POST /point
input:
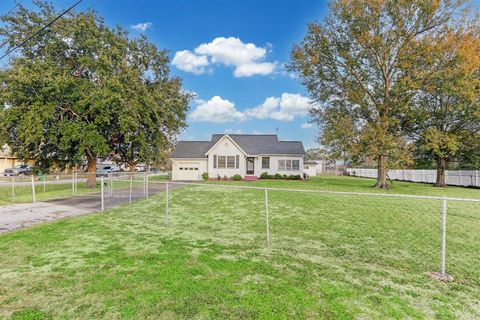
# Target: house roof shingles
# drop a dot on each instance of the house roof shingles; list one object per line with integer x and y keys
{"x": 252, "y": 144}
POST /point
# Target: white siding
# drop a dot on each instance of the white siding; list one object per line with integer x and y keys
{"x": 226, "y": 147}
{"x": 274, "y": 165}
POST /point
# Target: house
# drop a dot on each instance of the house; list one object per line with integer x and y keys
{"x": 248, "y": 155}
{"x": 9, "y": 160}
{"x": 313, "y": 167}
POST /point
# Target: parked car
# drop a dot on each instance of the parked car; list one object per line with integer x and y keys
{"x": 103, "y": 171}
{"x": 140, "y": 168}
{"x": 18, "y": 170}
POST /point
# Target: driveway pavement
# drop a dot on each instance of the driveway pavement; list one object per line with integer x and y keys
{"x": 16, "y": 216}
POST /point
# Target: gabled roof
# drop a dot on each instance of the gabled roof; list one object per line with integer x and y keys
{"x": 252, "y": 144}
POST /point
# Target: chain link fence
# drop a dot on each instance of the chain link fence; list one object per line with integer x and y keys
{"x": 33, "y": 188}
{"x": 421, "y": 234}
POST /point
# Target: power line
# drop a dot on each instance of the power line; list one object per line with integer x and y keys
{"x": 41, "y": 29}
{"x": 14, "y": 7}
{"x": 6, "y": 14}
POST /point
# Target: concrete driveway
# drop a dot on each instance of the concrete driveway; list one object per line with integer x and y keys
{"x": 16, "y": 216}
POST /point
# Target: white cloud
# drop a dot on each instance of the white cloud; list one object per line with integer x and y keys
{"x": 246, "y": 58}
{"x": 190, "y": 62}
{"x": 250, "y": 69}
{"x": 216, "y": 110}
{"x": 231, "y": 131}
{"x": 285, "y": 108}
{"x": 142, "y": 27}
{"x": 306, "y": 125}
{"x": 231, "y": 51}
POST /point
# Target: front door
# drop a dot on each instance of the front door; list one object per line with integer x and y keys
{"x": 250, "y": 166}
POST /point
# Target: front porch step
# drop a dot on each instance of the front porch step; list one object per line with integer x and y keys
{"x": 250, "y": 178}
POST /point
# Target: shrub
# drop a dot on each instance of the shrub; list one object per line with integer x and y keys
{"x": 277, "y": 176}
{"x": 225, "y": 177}
{"x": 237, "y": 177}
{"x": 265, "y": 175}
{"x": 285, "y": 176}
{"x": 294, "y": 177}
{"x": 205, "y": 176}
{"x": 219, "y": 177}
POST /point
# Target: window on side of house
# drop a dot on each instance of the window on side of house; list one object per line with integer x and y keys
{"x": 281, "y": 165}
{"x": 265, "y": 162}
{"x": 288, "y": 165}
{"x": 231, "y": 162}
{"x": 295, "y": 165}
{"x": 222, "y": 161}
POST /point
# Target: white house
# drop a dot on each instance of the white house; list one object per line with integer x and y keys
{"x": 248, "y": 155}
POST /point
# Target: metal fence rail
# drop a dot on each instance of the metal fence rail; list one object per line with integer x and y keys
{"x": 32, "y": 188}
{"x": 412, "y": 231}
{"x": 464, "y": 178}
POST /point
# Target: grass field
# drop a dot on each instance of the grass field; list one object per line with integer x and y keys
{"x": 331, "y": 257}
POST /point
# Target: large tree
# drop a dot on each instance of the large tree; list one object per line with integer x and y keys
{"x": 356, "y": 61}
{"x": 444, "y": 117}
{"x": 76, "y": 91}
{"x": 156, "y": 107}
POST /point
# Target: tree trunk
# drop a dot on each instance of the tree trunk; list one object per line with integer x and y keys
{"x": 441, "y": 168}
{"x": 382, "y": 173}
{"x": 131, "y": 167}
{"x": 91, "y": 171}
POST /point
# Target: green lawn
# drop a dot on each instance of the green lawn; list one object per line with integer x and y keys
{"x": 331, "y": 257}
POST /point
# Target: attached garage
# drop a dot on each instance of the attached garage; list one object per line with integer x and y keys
{"x": 188, "y": 171}
{"x": 189, "y": 161}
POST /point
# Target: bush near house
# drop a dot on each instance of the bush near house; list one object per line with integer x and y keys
{"x": 278, "y": 176}
{"x": 237, "y": 177}
{"x": 205, "y": 176}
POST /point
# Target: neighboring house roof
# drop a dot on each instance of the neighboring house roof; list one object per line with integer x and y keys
{"x": 252, "y": 144}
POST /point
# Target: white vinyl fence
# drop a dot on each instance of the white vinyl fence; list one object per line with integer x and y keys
{"x": 464, "y": 178}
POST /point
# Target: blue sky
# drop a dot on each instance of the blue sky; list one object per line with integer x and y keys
{"x": 238, "y": 74}
{"x": 231, "y": 54}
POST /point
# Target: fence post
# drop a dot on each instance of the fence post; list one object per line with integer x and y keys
{"x": 146, "y": 185}
{"x": 73, "y": 184}
{"x": 13, "y": 189}
{"x": 444, "y": 234}
{"x": 33, "y": 189}
{"x": 130, "y": 190}
{"x": 111, "y": 186}
{"x": 267, "y": 218}
{"x": 102, "y": 200}
{"x": 476, "y": 179}
{"x": 166, "y": 204}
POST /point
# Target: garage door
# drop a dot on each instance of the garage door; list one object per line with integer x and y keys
{"x": 188, "y": 171}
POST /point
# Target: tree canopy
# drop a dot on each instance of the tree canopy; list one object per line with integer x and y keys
{"x": 83, "y": 90}
{"x": 361, "y": 62}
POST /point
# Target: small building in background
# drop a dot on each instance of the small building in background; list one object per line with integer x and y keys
{"x": 313, "y": 167}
